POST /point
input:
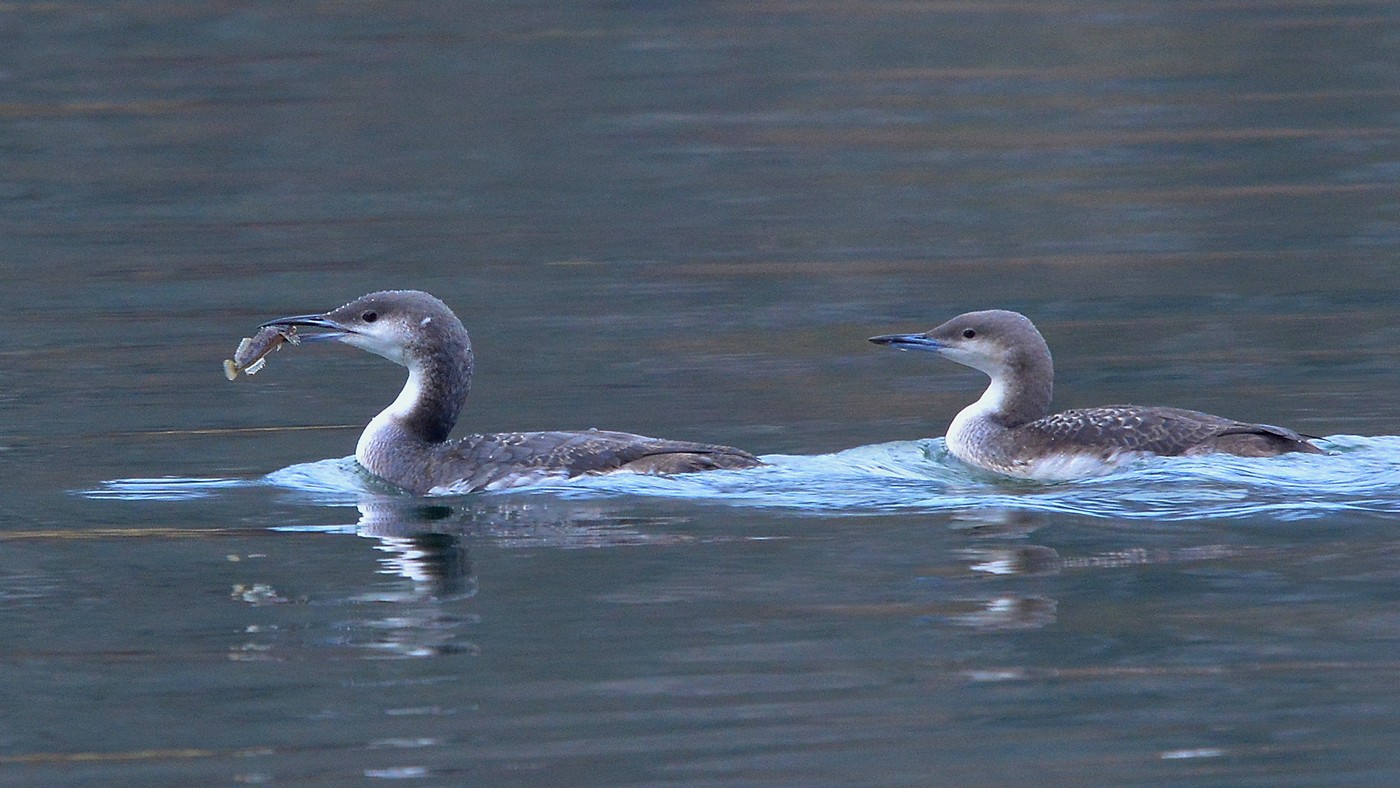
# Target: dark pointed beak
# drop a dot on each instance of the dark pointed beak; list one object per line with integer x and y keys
{"x": 909, "y": 342}
{"x": 332, "y": 329}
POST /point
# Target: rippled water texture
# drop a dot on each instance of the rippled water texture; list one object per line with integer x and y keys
{"x": 1357, "y": 474}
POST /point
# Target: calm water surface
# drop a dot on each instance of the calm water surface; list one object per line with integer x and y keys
{"x": 684, "y": 220}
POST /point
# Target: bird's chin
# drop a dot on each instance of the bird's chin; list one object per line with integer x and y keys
{"x": 371, "y": 344}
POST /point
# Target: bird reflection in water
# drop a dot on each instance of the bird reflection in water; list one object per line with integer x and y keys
{"x": 424, "y": 544}
{"x": 427, "y": 545}
{"x": 1004, "y": 554}
{"x": 426, "y": 610}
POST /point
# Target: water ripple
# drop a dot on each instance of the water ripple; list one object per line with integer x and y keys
{"x": 1360, "y": 474}
{"x": 162, "y": 488}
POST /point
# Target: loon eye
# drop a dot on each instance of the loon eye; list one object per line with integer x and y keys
{"x": 969, "y": 333}
{"x": 370, "y": 316}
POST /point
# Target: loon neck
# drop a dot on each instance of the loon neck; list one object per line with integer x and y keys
{"x": 425, "y": 411}
{"x": 982, "y": 429}
{"x": 1019, "y": 392}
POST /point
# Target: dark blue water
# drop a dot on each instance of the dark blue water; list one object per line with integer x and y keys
{"x": 684, "y": 220}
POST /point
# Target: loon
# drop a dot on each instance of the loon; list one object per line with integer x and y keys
{"x": 1011, "y": 430}
{"x": 407, "y": 444}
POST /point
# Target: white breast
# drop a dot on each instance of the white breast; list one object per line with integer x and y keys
{"x": 973, "y": 428}
{"x": 976, "y": 439}
{"x": 1069, "y": 466}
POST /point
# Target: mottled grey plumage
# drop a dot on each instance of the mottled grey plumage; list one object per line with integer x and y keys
{"x": 1010, "y": 430}
{"x": 408, "y": 444}
{"x": 513, "y": 459}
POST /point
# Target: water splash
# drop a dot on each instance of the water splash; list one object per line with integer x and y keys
{"x": 1360, "y": 474}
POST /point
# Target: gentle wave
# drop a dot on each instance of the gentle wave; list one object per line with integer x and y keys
{"x": 1360, "y": 474}
{"x": 163, "y": 488}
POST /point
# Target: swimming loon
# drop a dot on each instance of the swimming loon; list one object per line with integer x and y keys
{"x": 1011, "y": 430}
{"x": 407, "y": 443}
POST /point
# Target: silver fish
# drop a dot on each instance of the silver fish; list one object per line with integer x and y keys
{"x": 252, "y": 352}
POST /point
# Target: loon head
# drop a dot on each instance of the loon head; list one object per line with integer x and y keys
{"x": 411, "y": 328}
{"x": 995, "y": 341}
{"x": 408, "y": 327}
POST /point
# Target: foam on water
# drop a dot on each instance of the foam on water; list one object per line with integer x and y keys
{"x": 1360, "y": 474}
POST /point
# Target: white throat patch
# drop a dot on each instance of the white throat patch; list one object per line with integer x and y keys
{"x": 397, "y": 410}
